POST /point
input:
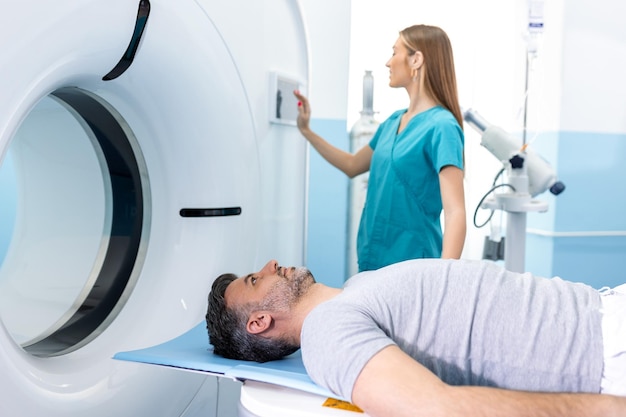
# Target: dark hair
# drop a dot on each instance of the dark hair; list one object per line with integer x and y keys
{"x": 227, "y": 329}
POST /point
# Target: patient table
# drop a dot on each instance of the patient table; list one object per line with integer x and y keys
{"x": 283, "y": 383}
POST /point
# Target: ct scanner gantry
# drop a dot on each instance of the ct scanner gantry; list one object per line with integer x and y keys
{"x": 143, "y": 151}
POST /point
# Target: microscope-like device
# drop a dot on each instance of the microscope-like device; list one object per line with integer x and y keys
{"x": 528, "y": 175}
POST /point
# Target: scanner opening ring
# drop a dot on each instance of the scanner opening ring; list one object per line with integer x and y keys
{"x": 115, "y": 274}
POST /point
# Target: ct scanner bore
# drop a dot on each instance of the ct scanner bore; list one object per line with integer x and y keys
{"x": 124, "y": 231}
{"x": 175, "y": 175}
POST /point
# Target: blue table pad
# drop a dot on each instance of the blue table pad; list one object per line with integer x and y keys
{"x": 191, "y": 351}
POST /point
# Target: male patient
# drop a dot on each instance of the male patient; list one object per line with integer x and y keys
{"x": 435, "y": 337}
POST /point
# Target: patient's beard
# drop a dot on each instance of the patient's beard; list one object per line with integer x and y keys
{"x": 286, "y": 292}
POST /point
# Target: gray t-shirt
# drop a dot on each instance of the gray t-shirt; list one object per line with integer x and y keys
{"x": 469, "y": 322}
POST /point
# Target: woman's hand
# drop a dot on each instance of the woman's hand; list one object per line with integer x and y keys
{"x": 349, "y": 164}
{"x": 304, "y": 111}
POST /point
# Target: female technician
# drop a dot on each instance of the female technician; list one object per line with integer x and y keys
{"x": 415, "y": 158}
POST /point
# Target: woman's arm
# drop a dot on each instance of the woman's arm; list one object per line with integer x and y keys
{"x": 394, "y": 384}
{"x": 350, "y": 164}
{"x": 453, "y": 199}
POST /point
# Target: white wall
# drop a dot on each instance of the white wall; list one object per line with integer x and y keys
{"x": 328, "y": 29}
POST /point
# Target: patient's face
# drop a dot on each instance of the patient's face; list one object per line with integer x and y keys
{"x": 273, "y": 288}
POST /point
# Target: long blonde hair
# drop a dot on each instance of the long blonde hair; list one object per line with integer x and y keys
{"x": 439, "y": 74}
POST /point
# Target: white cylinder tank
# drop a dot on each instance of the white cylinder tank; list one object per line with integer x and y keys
{"x": 360, "y": 135}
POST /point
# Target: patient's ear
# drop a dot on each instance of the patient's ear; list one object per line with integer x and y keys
{"x": 259, "y": 322}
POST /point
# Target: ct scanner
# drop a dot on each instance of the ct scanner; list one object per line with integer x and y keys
{"x": 147, "y": 146}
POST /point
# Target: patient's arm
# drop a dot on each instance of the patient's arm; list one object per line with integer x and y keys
{"x": 393, "y": 384}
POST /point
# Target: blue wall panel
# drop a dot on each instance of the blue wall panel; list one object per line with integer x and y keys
{"x": 328, "y": 208}
{"x": 592, "y": 210}
{"x": 597, "y": 261}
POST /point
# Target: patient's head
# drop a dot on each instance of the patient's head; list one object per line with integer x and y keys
{"x": 241, "y": 312}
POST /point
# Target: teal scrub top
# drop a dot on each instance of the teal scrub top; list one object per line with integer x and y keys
{"x": 401, "y": 216}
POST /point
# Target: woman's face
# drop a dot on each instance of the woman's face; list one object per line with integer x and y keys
{"x": 398, "y": 64}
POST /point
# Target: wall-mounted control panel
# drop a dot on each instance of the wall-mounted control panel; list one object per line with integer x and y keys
{"x": 283, "y": 104}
